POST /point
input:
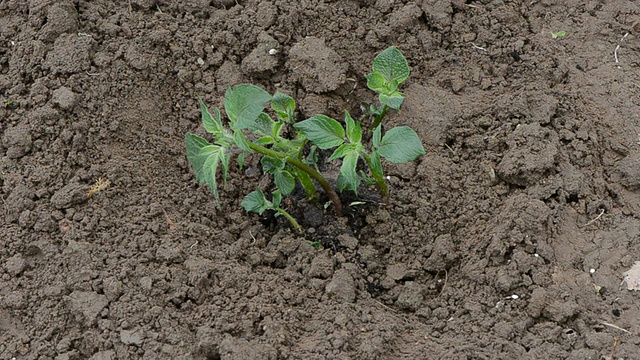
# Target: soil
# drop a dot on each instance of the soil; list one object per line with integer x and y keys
{"x": 508, "y": 240}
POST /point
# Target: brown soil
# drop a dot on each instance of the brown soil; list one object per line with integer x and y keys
{"x": 530, "y": 181}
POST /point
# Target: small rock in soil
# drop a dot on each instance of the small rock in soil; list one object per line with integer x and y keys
{"x": 88, "y": 303}
{"x": 560, "y": 312}
{"x": 71, "y": 194}
{"x": 14, "y": 300}
{"x": 438, "y": 12}
{"x": 442, "y": 255}
{"x": 15, "y": 265}
{"x": 537, "y": 302}
{"x": 321, "y": 266}
{"x": 348, "y": 241}
{"x": 17, "y": 139}
{"x": 411, "y": 297}
{"x": 208, "y": 343}
{"x": 629, "y": 168}
{"x": 405, "y": 17}
{"x": 70, "y": 54}
{"x": 260, "y": 62}
{"x": 132, "y": 337}
{"x": 65, "y": 98}
{"x": 342, "y": 287}
{"x": 19, "y": 200}
{"x": 113, "y": 288}
{"x": 533, "y": 151}
{"x": 169, "y": 254}
{"x": 313, "y": 217}
{"x": 317, "y": 67}
{"x": 62, "y": 17}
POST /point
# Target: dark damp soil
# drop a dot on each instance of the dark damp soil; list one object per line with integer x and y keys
{"x": 508, "y": 240}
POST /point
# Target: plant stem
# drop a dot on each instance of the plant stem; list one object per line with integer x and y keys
{"x": 333, "y": 196}
{"x": 379, "y": 179}
{"x": 379, "y": 118}
{"x": 290, "y": 218}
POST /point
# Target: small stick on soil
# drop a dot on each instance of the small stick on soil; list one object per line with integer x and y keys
{"x": 615, "y": 52}
{"x": 615, "y": 327}
{"x": 592, "y": 221}
{"x": 450, "y": 149}
{"x": 446, "y": 279}
{"x": 385, "y": 306}
{"x": 478, "y": 47}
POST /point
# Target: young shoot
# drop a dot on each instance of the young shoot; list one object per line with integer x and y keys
{"x": 398, "y": 145}
{"x": 390, "y": 69}
{"x": 258, "y": 203}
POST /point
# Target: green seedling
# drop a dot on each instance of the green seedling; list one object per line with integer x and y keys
{"x": 398, "y": 145}
{"x": 258, "y": 203}
{"x": 558, "y": 34}
{"x": 390, "y": 69}
{"x": 283, "y": 156}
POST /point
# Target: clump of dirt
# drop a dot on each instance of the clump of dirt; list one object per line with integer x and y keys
{"x": 509, "y": 239}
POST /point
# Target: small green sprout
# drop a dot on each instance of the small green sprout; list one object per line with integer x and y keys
{"x": 390, "y": 69}
{"x": 555, "y": 35}
{"x": 258, "y": 203}
{"x": 398, "y": 145}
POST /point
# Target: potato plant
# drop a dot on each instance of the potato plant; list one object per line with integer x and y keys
{"x": 283, "y": 156}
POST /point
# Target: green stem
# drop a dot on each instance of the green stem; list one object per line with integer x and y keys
{"x": 379, "y": 179}
{"x": 291, "y": 219}
{"x": 333, "y": 196}
{"x": 378, "y": 119}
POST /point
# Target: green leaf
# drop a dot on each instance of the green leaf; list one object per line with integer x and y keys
{"x": 340, "y": 152}
{"x": 240, "y": 159}
{"x": 276, "y": 129}
{"x": 322, "y": 131}
{"x": 306, "y": 182}
{"x": 354, "y": 130}
{"x": 348, "y": 171}
{"x": 312, "y": 158}
{"x": 270, "y": 165}
{"x": 393, "y": 101}
{"x": 244, "y": 103}
{"x": 377, "y": 133}
{"x": 401, "y": 145}
{"x": 284, "y": 106}
{"x": 265, "y": 140}
{"x": 277, "y": 198}
{"x": 212, "y": 124}
{"x": 375, "y": 165}
{"x": 256, "y": 202}
{"x": 204, "y": 157}
{"x": 263, "y": 124}
{"x": 224, "y": 159}
{"x": 376, "y": 82}
{"x": 284, "y": 181}
{"x": 392, "y": 65}
{"x": 241, "y": 141}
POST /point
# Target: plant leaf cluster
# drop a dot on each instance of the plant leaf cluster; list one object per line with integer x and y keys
{"x": 283, "y": 156}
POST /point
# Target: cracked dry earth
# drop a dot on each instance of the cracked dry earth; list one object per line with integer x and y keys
{"x": 508, "y": 240}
